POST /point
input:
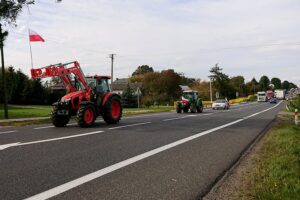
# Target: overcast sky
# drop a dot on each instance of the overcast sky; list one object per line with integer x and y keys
{"x": 246, "y": 37}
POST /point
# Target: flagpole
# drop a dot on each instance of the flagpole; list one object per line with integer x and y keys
{"x": 30, "y": 49}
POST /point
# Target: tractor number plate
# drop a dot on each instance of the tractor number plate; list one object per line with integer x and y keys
{"x": 63, "y": 112}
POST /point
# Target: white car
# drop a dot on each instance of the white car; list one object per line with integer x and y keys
{"x": 220, "y": 104}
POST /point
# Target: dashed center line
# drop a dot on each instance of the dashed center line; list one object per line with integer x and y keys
{"x": 187, "y": 116}
{"x": 4, "y": 146}
{"x": 130, "y": 125}
{"x": 38, "y": 128}
{"x": 8, "y": 132}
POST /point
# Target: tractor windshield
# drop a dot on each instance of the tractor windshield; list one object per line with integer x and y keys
{"x": 102, "y": 85}
{"x": 188, "y": 95}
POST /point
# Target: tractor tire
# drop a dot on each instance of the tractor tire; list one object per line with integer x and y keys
{"x": 112, "y": 110}
{"x": 199, "y": 109}
{"x": 178, "y": 108}
{"x": 185, "y": 109}
{"x": 59, "y": 120}
{"x": 86, "y": 115}
{"x": 193, "y": 108}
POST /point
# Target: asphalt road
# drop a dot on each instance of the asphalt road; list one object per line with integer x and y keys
{"x": 154, "y": 156}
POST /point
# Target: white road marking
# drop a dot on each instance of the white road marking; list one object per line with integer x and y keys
{"x": 38, "y": 128}
{"x": 89, "y": 177}
{"x": 130, "y": 125}
{"x": 187, "y": 116}
{"x": 149, "y": 115}
{"x": 8, "y": 145}
{"x": 48, "y": 140}
{"x": 8, "y": 132}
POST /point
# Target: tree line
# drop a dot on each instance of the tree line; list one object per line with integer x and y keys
{"x": 163, "y": 87}
{"x": 157, "y": 87}
{"x": 23, "y": 90}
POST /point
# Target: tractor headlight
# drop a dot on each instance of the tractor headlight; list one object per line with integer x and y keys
{"x": 66, "y": 101}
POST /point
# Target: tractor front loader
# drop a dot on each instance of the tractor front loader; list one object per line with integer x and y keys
{"x": 87, "y": 97}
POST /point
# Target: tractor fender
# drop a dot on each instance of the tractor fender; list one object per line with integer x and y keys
{"x": 199, "y": 102}
{"x": 107, "y": 96}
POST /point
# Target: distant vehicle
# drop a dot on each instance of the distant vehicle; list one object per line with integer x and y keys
{"x": 280, "y": 94}
{"x": 269, "y": 94}
{"x": 220, "y": 104}
{"x": 261, "y": 96}
{"x": 273, "y": 100}
{"x": 190, "y": 100}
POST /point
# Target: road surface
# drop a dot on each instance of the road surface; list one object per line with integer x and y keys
{"x": 153, "y": 156}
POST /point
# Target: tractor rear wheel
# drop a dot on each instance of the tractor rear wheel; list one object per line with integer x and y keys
{"x": 112, "y": 110}
{"x": 86, "y": 115}
{"x": 59, "y": 120}
{"x": 199, "y": 109}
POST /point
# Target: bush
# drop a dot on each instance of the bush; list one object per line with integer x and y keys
{"x": 294, "y": 103}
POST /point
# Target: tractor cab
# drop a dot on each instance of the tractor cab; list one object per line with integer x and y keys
{"x": 190, "y": 94}
{"x": 100, "y": 87}
{"x": 99, "y": 84}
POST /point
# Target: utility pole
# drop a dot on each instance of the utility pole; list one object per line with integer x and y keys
{"x": 210, "y": 90}
{"x": 3, "y": 74}
{"x": 112, "y": 56}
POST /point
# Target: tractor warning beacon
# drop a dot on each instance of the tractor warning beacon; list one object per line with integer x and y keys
{"x": 87, "y": 97}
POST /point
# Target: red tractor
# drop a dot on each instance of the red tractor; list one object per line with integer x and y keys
{"x": 87, "y": 98}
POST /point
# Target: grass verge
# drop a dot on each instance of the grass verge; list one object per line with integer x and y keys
{"x": 17, "y": 112}
{"x": 268, "y": 171}
{"x": 277, "y": 165}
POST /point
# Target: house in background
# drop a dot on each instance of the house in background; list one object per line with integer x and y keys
{"x": 120, "y": 85}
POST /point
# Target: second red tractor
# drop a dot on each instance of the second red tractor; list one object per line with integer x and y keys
{"x": 88, "y": 97}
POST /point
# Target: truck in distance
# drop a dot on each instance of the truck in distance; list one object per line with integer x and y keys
{"x": 261, "y": 96}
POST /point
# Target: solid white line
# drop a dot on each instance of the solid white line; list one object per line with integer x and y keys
{"x": 48, "y": 140}
{"x": 8, "y": 132}
{"x": 89, "y": 177}
{"x": 130, "y": 125}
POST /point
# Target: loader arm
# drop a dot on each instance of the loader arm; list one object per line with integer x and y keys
{"x": 62, "y": 71}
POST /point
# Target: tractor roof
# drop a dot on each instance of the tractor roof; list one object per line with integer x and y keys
{"x": 98, "y": 77}
{"x": 189, "y": 91}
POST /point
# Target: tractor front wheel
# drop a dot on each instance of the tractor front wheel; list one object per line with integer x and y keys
{"x": 193, "y": 108}
{"x": 86, "y": 115}
{"x": 178, "y": 108}
{"x": 59, "y": 120}
{"x": 112, "y": 110}
{"x": 185, "y": 109}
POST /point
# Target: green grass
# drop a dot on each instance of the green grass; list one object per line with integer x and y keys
{"x": 29, "y": 111}
{"x": 15, "y": 112}
{"x": 277, "y": 165}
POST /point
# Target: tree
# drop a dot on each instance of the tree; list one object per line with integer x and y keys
{"x": 10, "y": 9}
{"x": 276, "y": 82}
{"x": 221, "y": 82}
{"x": 264, "y": 83}
{"x": 285, "y": 85}
{"x": 203, "y": 89}
{"x": 143, "y": 69}
{"x": 129, "y": 100}
{"x": 238, "y": 84}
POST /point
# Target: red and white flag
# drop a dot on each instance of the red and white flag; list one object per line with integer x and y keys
{"x": 35, "y": 37}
